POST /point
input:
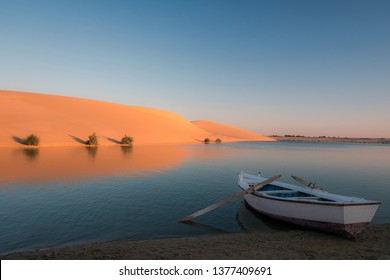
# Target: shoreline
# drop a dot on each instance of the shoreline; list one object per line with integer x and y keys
{"x": 385, "y": 141}
{"x": 102, "y": 145}
{"x": 324, "y": 139}
{"x": 297, "y": 244}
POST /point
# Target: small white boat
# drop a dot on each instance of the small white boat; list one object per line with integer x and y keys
{"x": 308, "y": 206}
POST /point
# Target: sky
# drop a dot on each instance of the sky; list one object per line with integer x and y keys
{"x": 274, "y": 67}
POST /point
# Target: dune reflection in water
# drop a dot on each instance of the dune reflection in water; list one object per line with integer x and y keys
{"x": 32, "y": 165}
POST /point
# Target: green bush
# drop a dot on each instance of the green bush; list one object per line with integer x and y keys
{"x": 207, "y": 141}
{"x": 218, "y": 140}
{"x": 92, "y": 140}
{"x": 31, "y": 140}
{"x": 126, "y": 140}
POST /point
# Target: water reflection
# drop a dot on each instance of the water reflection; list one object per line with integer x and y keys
{"x": 126, "y": 150}
{"x": 306, "y": 161}
{"x": 31, "y": 153}
{"x": 252, "y": 221}
{"x": 51, "y": 196}
{"x": 73, "y": 163}
{"x": 92, "y": 151}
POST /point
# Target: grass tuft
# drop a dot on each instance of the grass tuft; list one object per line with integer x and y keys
{"x": 31, "y": 140}
{"x": 92, "y": 140}
{"x": 127, "y": 140}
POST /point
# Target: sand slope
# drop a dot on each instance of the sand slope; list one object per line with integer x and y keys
{"x": 230, "y": 132}
{"x": 67, "y": 121}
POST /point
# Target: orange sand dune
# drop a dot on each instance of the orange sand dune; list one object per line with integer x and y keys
{"x": 67, "y": 121}
{"x": 232, "y": 133}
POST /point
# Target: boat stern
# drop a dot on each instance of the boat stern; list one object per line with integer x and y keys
{"x": 360, "y": 213}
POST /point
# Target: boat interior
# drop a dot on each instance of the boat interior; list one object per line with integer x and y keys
{"x": 277, "y": 191}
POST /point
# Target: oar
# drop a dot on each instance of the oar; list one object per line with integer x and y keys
{"x": 226, "y": 200}
{"x": 306, "y": 183}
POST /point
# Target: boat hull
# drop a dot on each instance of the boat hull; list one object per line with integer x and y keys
{"x": 345, "y": 219}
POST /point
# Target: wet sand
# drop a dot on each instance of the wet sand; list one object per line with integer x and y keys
{"x": 373, "y": 243}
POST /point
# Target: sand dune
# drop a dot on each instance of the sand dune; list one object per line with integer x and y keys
{"x": 230, "y": 132}
{"x": 67, "y": 121}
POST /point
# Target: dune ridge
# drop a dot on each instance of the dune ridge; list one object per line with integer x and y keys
{"x": 230, "y": 132}
{"x": 67, "y": 121}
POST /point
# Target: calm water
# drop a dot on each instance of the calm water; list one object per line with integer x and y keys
{"x": 60, "y": 196}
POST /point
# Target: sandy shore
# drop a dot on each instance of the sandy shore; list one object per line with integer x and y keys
{"x": 373, "y": 243}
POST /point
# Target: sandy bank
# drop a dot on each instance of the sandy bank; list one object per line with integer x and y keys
{"x": 295, "y": 244}
{"x": 68, "y": 121}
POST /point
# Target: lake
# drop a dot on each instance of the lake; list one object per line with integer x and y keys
{"x": 61, "y": 196}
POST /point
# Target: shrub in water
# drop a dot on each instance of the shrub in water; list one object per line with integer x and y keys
{"x": 206, "y": 141}
{"x": 31, "y": 140}
{"x": 92, "y": 140}
{"x": 126, "y": 140}
{"x": 218, "y": 140}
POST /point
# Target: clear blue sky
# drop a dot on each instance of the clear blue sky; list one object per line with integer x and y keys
{"x": 274, "y": 67}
